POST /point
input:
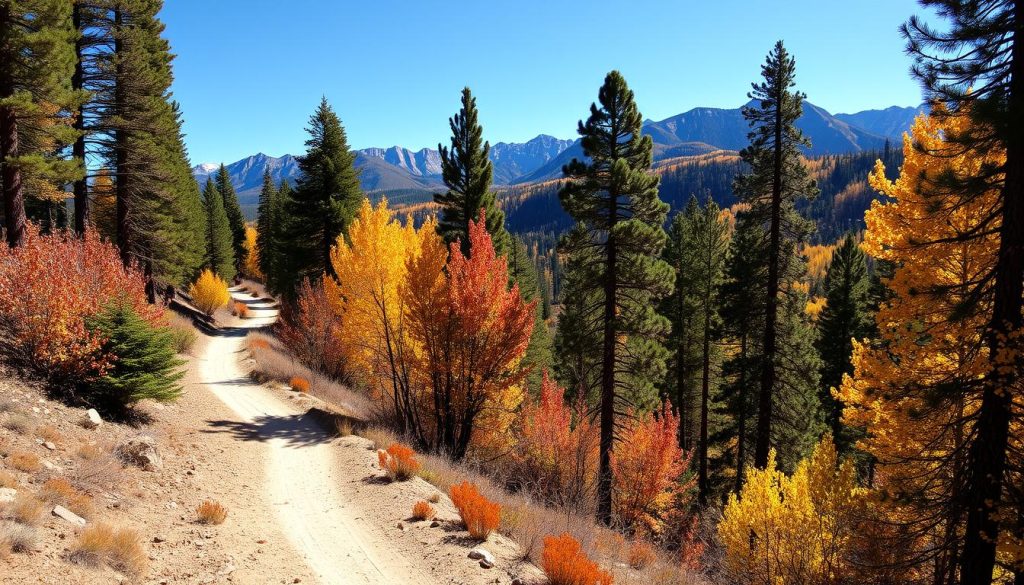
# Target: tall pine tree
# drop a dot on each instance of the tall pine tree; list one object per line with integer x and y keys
{"x": 266, "y": 221}
{"x": 219, "y": 250}
{"x": 467, "y": 172}
{"x": 234, "y": 211}
{"x": 613, "y": 197}
{"x": 777, "y": 179}
{"x": 36, "y": 65}
{"x": 844, "y": 318}
{"x": 325, "y": 200}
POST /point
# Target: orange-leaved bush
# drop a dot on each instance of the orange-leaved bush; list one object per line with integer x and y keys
{"x": 648, "y": 466}
{"x": 565, "y": 563}
{"x": 48, "y": 287}
{"x": 480, "y": 515}
{"x": 299, "y": 384}
{"x": 311, "y": 330}
{"x": 422, "y": 510}
{"x": 209, "y": 292}
{"x": 556, "y": 455}
{"x": 241, "y": 310}
{"x": 398, "y": 462}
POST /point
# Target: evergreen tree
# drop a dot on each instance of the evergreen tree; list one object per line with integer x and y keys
{"x": 777, "y": 179}
{"x": 146, "y": 367}
{"x": 36, "y": 64}
{"x": 467, "y": 172}
{"x": 523, "y": 272}
{"x": 286, "y": 265}
{"x": 614, "y": 199}
{"x": 325, "y": 200}
{"x": 266, "y": 222}
{"x": 234, "y": 211}
{"x": 844, "y": 318}
{"x": 974, "y": 66}
{"x": 219, "y": 251}
{"x": 577, "y": 342}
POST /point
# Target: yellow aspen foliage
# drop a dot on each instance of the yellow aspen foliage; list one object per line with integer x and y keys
{"x": 793, "y": 530}
{"x": 913, "y": 426}
{"x": 209, "y": 292}
{"x": 251, "y": 266}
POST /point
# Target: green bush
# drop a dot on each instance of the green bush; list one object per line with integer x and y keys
{"x": 184, "y": 337}
{"x": 145, "y": 364}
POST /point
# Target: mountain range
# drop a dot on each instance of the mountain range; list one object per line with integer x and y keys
{"x": 697, "y": 131}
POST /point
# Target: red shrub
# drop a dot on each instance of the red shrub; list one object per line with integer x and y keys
{"x": 480, "y": 515}
{"x": 423, "y": 511}
{"x": 398, "y": 461}
{"x": 49, "y": 285}
{"x": 641, "y": 554}
{"x": 565, "y": 563}
{"x": 310, "y": 329}
{"x": 299, "y": 384}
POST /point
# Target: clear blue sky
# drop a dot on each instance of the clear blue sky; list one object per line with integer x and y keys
{"x": 249, "y": 72}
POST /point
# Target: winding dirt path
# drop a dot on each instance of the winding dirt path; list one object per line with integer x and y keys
{"x": 302, "y": 473}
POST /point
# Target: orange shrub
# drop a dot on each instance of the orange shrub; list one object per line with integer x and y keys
{"x": 565, "y": 563}
{"x": 311, "y": 330}
{"x": 209, "y": 292}
{"x": 241, "y": 310}
{"x": 398, "y": 462}
{"x": 24, "y": 461}
{"x": 258, "y": 344}
{"x": 423, "y": 511}
{"x": 210, "y": 512}
{"x": 48, "y": 287}
{"x": 647, "y": 465}
{"x": 641, "y": 554}
{"x": 480, "y": 515}
{"x": 299, "y": 384}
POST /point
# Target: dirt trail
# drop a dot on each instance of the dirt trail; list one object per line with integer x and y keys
{"x": 302, "y": 473}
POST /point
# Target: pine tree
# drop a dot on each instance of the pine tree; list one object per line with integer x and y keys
{"x": 974, "y": 66}
{"x": 777, "y": 179}
{"x": 234, "y": 211}
{"x": 577, "y": 342}
{"x": 36, "y": 64}
{"x": 844, "y": 318}
{"x": 285, "y": 264}
{"x": 614, "y": 199}
{"x": 467, "y": 172}
{"x": 325, "y": 200}
{"x": 522, "y": 271}
{"x": 266, "y": 222}
{"x": 219, "y": 251}
{"x": 146, "y": 367}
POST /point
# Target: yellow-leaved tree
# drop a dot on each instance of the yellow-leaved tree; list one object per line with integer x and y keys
{"x": 251, "y": 266}
{"x": 795, "y": 530}
{"x": 209, "y": 292}
{"x": 915, "y": 388}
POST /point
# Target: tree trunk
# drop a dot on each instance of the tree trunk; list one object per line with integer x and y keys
{"x": 986, "y": 462}
{"x": 604, "y": 482}
{"x": 765, "y": 400}
{"x": 10, "y": 177}
{"x": 121, "y": 171}
{"x": 80, "y": 187}
{"x": 741, "y": 427}
{"x": 705, "y": 391}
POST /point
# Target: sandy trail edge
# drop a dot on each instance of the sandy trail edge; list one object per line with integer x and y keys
{"x": 301, "y": 475}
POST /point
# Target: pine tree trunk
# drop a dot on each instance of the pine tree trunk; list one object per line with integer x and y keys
{"x": 764, "y": 402}
{"x": 986, "y": 462}
{"x": 13, "y": 190}
{"x": 121, "y": 171}
{"x": 80, "y": 187}
{"x": 705, "y": 391}
{"x": 604, "y": 483}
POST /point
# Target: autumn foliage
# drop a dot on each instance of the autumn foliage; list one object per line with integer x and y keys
{"x": 565, "y": 563}
{"x": 209, "y": 292}
{"x": 480, "y": 515}
{"x": 648, "y": 467}
{"x": 251, "y": 265}
{"x": 312, "y": 331}
{"x": 299, "y": 384}
{"x": 47, "y": 289}
{"x": 398, "y": 462}
{"x": 422, "y": 510}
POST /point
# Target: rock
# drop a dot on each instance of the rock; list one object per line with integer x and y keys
{"x": 159, "y": 538}
{"x": 50, "y": 466}
{"x": 91, "y": 419}
{"x": 227, "y": 569}
{"x": 141, "y": 451}
{"x": 50, "y": 446}
{"x": 482, "y": 554}
{"x": 435, "y": 524}
{"x": 7, "y": 495}
{"x": 484, "y": 563}
{"x": 518, "y": 581}
{"x": 68, "y": 515}
{"x": 401, "y": 526}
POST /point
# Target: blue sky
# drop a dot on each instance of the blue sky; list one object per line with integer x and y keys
{"x": 249, "y": 72}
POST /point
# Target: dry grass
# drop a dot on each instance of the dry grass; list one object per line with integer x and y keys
{"x": 98, "y": 466}
{"x": 434, "y": 498}
{"x": 24, "y": 461}
{"x": 7, "y": 479}
{"x": 18, "y": 423}
{"x": 60, "y": 491}
{"x": 240, "y": 310}
{"x": 642, "y": 555}
{"x": 119, "y": 548}
{"x": 25, "y": 509}
{"x": 17, "y": 538}
{"x": 182, "y": 332}
{"x": 49, "y": 433}
{"x": 423, "y": 511}
{"x": 211, "y": 512}
{"x": 6, "y": 405}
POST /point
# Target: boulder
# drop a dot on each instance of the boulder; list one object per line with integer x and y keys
{"x": 91, "y": 419}
{"x": 68, "y": 515}
{"x": 142, "y": 452}
{"x": 7, "y": 495}
{"x": 483, "y": 555}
